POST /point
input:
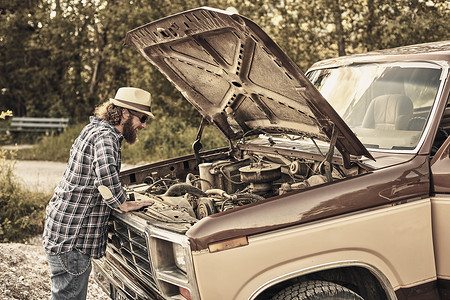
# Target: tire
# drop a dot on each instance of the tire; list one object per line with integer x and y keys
{"x": 316, "y": 290}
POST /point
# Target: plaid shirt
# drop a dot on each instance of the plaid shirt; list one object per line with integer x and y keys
{"x": 77, "y": 215}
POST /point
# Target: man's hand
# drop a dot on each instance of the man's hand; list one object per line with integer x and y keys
{"x": 134, "y": 205}
{"x": 127, "y": 205}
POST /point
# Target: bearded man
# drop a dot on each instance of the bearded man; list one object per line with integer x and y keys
{"x": 77, "y": 214}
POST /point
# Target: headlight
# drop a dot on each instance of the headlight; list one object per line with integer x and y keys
{"x": 179, "y": 256}
{"x": 172, "y": 264}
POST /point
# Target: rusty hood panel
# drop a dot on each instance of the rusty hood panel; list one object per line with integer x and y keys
{"x": 232, "y": 72}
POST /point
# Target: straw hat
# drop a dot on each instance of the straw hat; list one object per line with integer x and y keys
{"x": 135, "y": 99}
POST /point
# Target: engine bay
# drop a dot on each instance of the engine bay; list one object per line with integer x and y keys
{"x": 228, "y": 182}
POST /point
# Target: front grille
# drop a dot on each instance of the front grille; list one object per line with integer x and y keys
{"x": 130, "y": 244}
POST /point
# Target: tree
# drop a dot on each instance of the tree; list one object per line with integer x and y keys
{"x": 62, "y": 57}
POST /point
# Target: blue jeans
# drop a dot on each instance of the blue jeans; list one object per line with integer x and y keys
{"x": 69, "y": 274}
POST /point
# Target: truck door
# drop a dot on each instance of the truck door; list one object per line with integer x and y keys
{"x": 440, "y": 209}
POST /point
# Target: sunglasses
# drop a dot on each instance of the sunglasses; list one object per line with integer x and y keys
{"x": 142, "y": 117}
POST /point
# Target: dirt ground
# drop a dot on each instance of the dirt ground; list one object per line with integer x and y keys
{"x": 24, "y": 273}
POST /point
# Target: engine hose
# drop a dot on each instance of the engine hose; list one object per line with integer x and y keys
{"x": 179, "y": 189}
{"x": 236, "y": 198}
{"x": 252, "y": 197}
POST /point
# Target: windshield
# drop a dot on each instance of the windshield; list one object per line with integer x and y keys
{"x": 386, "y": 105}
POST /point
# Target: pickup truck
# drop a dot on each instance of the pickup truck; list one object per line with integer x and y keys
{"x": 335, "y": 183}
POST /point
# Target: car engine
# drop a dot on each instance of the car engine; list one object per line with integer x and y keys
{"x": 229, "y": 183}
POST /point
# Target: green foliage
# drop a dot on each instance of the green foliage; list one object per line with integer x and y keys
{"x": 22, "y": 212}
{"x": 167, "y": 137}
{"x": 61, "y": 58}
{"x": 55, "y": 147}
{"x": 164, "y": 138}
{"x": 4, "y": 138}
{"x": 5, "y": 114}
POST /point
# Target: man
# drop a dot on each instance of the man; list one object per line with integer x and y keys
{"x": 77, "y": 215}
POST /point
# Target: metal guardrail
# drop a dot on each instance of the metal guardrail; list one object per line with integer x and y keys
{"x": 28, "y": 124}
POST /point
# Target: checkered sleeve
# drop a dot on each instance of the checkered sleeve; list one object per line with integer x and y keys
{"x": 106, "y": 166}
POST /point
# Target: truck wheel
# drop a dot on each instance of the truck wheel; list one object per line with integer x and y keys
{"x": 316, "y": 290}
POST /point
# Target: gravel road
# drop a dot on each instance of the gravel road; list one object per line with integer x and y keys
{"x": 40, "y": 176}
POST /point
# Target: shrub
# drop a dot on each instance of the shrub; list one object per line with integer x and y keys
{"x": 4, "y": 138}
{"x": 168, "y": 137}
{"x": 55, "y": 147}
{"x": 164, "y": 138}
{"x": 22, "y": 212}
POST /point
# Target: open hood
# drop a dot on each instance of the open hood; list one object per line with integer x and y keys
{"x": 239, "y": 79}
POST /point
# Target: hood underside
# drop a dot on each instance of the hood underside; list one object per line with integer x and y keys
{"x": 238, "y": 78}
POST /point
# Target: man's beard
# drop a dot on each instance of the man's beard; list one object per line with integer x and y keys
{"x": 129, "y": 134}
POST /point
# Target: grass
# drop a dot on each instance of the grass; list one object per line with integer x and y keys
{"x": 164, "y": 138}
{"x": 22, "y": 212}
{"x": 54, "y": 147}
{"x": 167, "y": 138}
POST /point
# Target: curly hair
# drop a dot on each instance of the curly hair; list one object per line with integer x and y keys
{"x": 109, "y": 112}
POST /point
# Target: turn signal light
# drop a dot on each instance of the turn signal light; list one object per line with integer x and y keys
{"x": 185, "y": 293}
{"x": 228, "y": 244}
